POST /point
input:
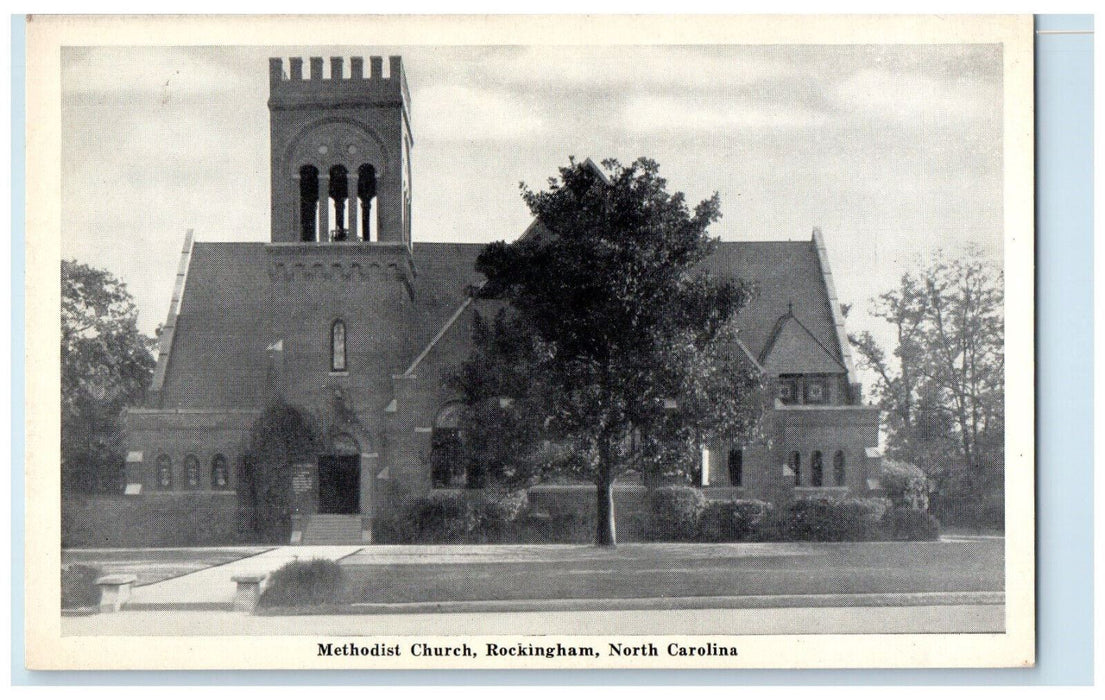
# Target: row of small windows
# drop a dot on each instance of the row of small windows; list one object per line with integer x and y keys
{"x": 192, "y": 472}
{"x": 817, "y": 469}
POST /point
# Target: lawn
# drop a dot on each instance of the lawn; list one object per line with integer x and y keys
{"x": 666, "y": 570}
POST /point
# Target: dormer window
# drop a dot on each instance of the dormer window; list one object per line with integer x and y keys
{"x": 337, "y": 347}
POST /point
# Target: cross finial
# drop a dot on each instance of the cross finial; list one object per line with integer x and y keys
{"x": 790, "y": 307}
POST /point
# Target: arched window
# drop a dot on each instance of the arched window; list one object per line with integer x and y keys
{"x": 838, "y": 468}
{"x": 447, "y": 466}
{"x": 817, "y": 471}
{"x": 164, "y": 472}
{"x": 736, "y": 466}
{"x": 220, "y": 477}
{"x": 337, "y": 346}
{"x": 366, "y": 193}
{"x": 192, "y": 471}
{"x": 339, "y": 192}
{"x": 308, "y": 202}
{"x": 796, "y": 467}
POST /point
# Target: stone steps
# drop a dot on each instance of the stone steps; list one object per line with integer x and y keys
{"x": 333, "y": 529}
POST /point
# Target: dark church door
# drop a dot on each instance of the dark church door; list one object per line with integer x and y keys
{"x": 339, "y": 484}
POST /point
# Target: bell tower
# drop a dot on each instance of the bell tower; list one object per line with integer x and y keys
{"x": 340, "y": 152}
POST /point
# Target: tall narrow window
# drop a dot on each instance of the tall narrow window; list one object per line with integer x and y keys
{"x": 308, "y": 203}
{"x": 220, "y": 478}
{"x": 337, "y": 346}
{"x": 817, "y": 470}
{"x": 192, "y": 471}
{"x": 796, "y": 467}
{"x": 736, "y": 466}
{"x": 838, "y": 468}
{"x": 164, "y": 472}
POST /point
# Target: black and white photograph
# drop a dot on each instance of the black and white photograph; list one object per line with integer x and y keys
{"x": 563, "y": 342}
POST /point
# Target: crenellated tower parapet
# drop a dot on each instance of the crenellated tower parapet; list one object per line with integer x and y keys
{"x": 341, "y": 143}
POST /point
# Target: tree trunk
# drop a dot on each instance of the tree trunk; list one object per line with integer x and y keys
{"x": 604, "y": 521}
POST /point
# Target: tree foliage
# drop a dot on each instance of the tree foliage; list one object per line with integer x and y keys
{"x": 106, "y": 365}
{"x": 281, "y": 437}
{"x": 614, "y": 349}
{"x": 941, "y": 386}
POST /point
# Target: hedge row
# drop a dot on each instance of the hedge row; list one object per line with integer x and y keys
{"x": 684, "y": 514}
{"x": 675, "y": 513}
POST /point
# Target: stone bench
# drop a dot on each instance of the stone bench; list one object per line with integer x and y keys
{"x": 248, "y": 591}
{"x": 114, "y": 591}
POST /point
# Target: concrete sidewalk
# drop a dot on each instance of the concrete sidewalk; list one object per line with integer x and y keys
{"x": 213, "y": 588}
{"x": 942, "y": 619}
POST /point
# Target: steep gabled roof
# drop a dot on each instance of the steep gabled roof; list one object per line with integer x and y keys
{"x": 445, "y": 273}
{"x": 787, "y": 277}
{"x": 793, "y": 349}
{"x": 221, "y": 330}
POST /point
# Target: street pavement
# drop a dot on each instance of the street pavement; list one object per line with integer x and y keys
{"x": 732, "y": 621}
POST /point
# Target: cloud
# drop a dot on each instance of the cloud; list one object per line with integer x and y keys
{"x": 463, "y": 113}
{"x": 910, "y": 96}
{"x": 655, "y": 113}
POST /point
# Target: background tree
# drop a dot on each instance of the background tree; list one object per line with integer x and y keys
{"x": 614, "y": 350}
{"x": 942, "y": 386}
{"x": 106, "y": 365}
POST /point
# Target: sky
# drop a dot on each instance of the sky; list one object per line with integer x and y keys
{"x": 894, "y": 152}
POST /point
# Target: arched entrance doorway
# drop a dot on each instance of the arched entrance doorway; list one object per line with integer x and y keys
{"x": 339, "y": 477}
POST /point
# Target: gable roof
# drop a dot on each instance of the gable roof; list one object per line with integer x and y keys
{"x": 792, "y": 349}
{"x": 788, "y": 279}
{"x": 221, "y": 330}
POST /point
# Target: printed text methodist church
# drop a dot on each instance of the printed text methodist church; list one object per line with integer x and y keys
{"x": 342, "y": 314}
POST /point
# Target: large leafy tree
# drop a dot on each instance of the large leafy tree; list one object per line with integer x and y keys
{"x": 614, "y": 349}
{"x": 106, "y": 364}
{"x": 942, "y": 384}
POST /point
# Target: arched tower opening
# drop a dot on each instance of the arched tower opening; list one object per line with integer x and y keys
{"x": 339, "y": 193}
{"x": 308, "y": 203}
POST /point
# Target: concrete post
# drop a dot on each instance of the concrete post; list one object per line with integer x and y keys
{"x": 114, "y": 591}
{"x": 248, "y": 591}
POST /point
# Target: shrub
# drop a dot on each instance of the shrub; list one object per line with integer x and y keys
{"x": 910, "y": 524}
{"x": 732, "y": 520}
{"x": 460, "y": 516}
{"x": 78, "y": 586}
{"x": 302, "y": 583}
{"x": 439, "y": 516}
{"x": 560, "y": 523}
{"x": 492, "y": 513}
{"x": 906, "y": 484}
{"x": 824, "y": 520}
{"x": 675, "y": 513}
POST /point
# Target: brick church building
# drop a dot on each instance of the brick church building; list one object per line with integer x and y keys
{"x": 341, "y": 314}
